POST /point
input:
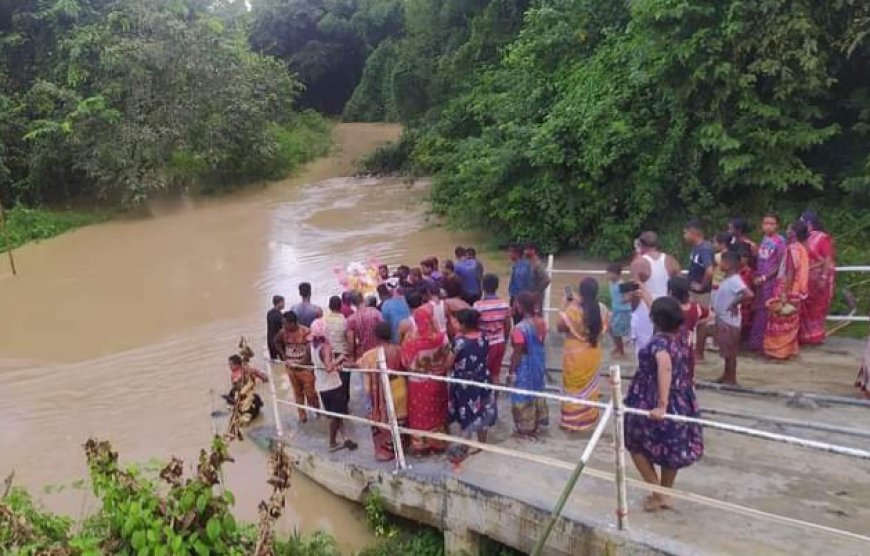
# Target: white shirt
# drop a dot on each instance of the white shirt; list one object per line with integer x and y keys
{"x": 725, "y": 296}
{"x": 439, "y": 315}
{"x": 324, "y": 381}
{"x": 641, "y": 327}
{"x": 657, "y": 284}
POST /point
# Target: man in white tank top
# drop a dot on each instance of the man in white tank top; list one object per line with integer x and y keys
{"x": 651, "y": 267}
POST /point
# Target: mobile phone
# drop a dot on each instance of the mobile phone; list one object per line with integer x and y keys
{"x": 569, "y": 295}
{"x": 628, "y": 287}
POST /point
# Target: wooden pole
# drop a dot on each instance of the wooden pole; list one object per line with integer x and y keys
{"x": 8, "y": 241}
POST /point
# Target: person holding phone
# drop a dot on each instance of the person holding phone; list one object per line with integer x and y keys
{"x": 583, "y": 321}
{"x": 640, "y": 301}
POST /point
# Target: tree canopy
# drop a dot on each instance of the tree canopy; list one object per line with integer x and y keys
{"x": 120, "y": 98}
{"x": 578, "y": 122}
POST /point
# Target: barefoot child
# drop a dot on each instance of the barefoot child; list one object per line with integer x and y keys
{"x": 726, "y": 305}
{"x": 695, "y": 316}
{"x": 747, "y": 274}
{"x": 620, "y": 320}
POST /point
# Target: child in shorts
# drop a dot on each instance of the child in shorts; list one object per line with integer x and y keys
{"x": 726, "y": 306}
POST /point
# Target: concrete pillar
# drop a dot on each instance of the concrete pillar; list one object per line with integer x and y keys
{"x": 461, "y": 542}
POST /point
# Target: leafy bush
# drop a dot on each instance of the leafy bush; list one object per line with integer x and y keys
{"x": 169, "y": 514}
{"x": 27, "y": 528}
{"x": 392, "y": 157}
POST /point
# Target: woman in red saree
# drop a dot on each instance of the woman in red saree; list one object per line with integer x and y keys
{"x": 427, "y": 352}
{"x": 783, "y": 326}
{"x": 814, "y": 311}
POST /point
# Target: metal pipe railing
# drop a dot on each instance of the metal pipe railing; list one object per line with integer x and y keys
{"x": 597, "y": 272}
{"x": 596, "y": 473}
{"x": 727, "y": 427}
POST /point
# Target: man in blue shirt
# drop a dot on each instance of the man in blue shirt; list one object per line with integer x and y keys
{"x": 468, "y": 272}
{"x": 521, "y": 275}
{"x": 306, "y": 311}
{"x": 394, "y": 310}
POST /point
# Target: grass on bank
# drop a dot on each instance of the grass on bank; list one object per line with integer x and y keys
{"x": 33, "y": 224}
{"x": 306, "y": 137}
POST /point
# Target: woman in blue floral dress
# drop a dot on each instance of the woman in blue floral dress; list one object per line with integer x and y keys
{"x": 662, "y": 385}
{"x": 473, "y": 407}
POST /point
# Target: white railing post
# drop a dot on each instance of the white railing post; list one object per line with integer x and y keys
{"x": 273, "y": 393}
{"x": 619, "y": 445}
{"x": 548, "y": 303}
{"x": 391, "y": 409}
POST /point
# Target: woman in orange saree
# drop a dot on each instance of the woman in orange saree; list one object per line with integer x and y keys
{"x": 783, "y": 326}
{"x": 814, "y": 311}
{"x": 382, "y": 438}
{"x": 584, "y": 322}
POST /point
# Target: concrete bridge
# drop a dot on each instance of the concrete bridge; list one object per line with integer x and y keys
{"x": 508, "y": 499}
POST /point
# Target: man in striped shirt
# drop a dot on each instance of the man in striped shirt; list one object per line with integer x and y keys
{"x": 495, "y": 323}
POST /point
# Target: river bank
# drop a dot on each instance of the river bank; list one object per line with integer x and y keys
{"x": 121, "y": 330}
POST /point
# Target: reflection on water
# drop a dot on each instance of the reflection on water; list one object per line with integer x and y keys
{"x": 122, "y": 330}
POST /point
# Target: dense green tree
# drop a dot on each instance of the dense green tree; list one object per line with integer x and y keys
{"x": 442, "y": 47}
{"x": 318, "y": 41}
{"x": 120, "y": 98}
{"x": 601, "y": 117}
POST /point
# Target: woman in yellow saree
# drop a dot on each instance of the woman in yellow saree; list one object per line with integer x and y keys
{"x": 583, "y": 322}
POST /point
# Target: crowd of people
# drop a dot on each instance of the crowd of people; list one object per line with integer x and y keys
{"x": 449, "y": 319}
{"x": 433, "y": 319}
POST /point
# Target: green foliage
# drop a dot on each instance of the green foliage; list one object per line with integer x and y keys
{"x": 391, "y": 157}
{"x": 26, "y": 224}
{"x": 419, "y": 541}
{"x": 433, "y": 58}
{"x": 140, "y": 514}
{"x": 318, "y": 544}
{"x": 583, "y": 121}
{"x": 135, "y": 517}
{"x": 26, "y": 529}
{"x": 119, "y": 99}
{"x": 377, "y": 517}
{"x": 325, "y": 42}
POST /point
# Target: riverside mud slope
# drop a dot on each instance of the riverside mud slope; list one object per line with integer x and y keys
{"x": 122, "y": 330}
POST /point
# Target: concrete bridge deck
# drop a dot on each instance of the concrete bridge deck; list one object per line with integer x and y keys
{"x": 508, "y": 499}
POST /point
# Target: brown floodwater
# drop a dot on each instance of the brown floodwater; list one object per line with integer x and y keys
{"x": 121, "y": 330}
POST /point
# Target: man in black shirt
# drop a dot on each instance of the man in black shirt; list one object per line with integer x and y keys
{"x": 274, "y": 322}
{"x": 701, "y": 267}
{"x": 700, "y": 260}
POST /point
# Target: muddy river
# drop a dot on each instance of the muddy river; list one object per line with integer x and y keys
{"x": 121, "y": 330}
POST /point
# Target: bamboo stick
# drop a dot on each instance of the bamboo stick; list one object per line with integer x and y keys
{"x": 8, "y": 241}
